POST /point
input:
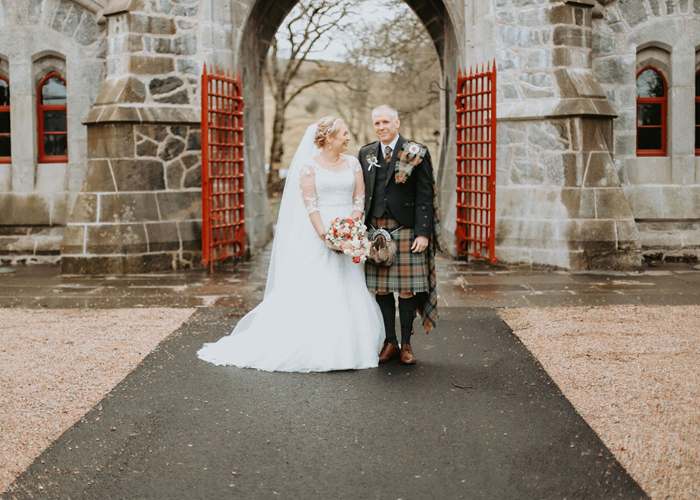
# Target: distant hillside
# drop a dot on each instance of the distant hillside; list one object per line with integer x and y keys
{"x": 319, "y": 101}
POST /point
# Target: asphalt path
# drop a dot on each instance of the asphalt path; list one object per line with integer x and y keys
{"x": 477, "y": 417}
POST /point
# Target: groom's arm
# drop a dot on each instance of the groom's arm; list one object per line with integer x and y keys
{"x": 425, "y": 185}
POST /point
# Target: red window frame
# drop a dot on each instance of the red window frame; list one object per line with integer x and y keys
{"x": 697, "y": 101}
{"x": 664, "y": 107}
{"x": 43, "y": 158}
{"x": 5, "y": 109}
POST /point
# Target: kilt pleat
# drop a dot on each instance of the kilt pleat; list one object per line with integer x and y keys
{"x": 408, "y": 273}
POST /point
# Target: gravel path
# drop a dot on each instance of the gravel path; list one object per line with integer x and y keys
{"x": 56, "y": 364}
{"x": 632, "y": 373}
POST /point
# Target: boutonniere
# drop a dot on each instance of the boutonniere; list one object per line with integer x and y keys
{"x": 372, "y": 162}
{"x": 411, "y": 154}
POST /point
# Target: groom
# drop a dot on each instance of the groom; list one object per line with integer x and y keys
{"x": 400, "y": 197}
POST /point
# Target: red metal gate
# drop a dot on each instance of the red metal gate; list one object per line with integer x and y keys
{"x": 223, "y": 225}
{"x": 476, "y": 163}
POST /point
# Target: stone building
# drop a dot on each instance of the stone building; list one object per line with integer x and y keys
{"x": 100, "y": 148}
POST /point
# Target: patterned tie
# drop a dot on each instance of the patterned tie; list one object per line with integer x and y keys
{"x": 387, "y": 155}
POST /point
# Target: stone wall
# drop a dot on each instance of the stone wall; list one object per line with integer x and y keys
{"x": 36, "y": 199}
{"x": 139, "y": 209}
{"x": 559, "y": 200}
{"x": 663, "y": 192}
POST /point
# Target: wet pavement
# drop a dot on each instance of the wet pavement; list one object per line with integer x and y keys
{"x": 460, "y": 284}
{"x": 477, "y": 417}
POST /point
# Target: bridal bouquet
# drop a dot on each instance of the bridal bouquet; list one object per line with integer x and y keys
{"x": 349, "y": 236}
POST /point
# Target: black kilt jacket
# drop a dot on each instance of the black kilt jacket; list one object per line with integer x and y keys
{"x": 411, "y": 202}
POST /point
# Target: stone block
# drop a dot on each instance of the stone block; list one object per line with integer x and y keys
{"x": 194, "y": 139}
{"x": 156, "y": 25}
{"x": 683, "y": 170}
{"x": 191, "y": 234}
{"x": 649, "y": 170}
{"x": 138, "y": 175}
{"x": 526, "y": 172}
{"x": 188, "y": 66}
{"x": 520, "y": 37}
{"x": 190, "y": 160}
{"x": 182, "y": 205}
{"x": 571, "y": 36}
{"x": 600, "y": 171}
{"x": 604, "y": 44}
{"x": 550, "y": 257}
{"x": 172, "y": 149}
{"x": 98, "y": 177}
{"x": 73, "y": 240}
{"x": 157, "y": 133}
{"x": 84, "y": 209}
{"x": 174, "y": 173}
{"x": 5, "y": 177}
{"x": 670, "y": 240}
{"x": 149, "y": 263}
{"x": 690, "y": 239}
{"x": 110, "y": 140}
{"x": 89, "y": 31}
{"x": 625, "y": 144}
{"x": 91, "y": 265}
{"x": 611, "y": 203}
{"x": 18, "y": 209}
{"x": 628, "y": 238}
{"x": 50, "y": 177}
{"x": 163, "y": 236}
{"x": 596, "y": 235}
{"x": 146, "y": 148}
{"x": 615, "y": 70}
{"x": 150, "y": 65}
{"x": 633, "y": 11}
{"x": 546, "y": 138}
{"x": 597, "y": 134}
{"x": 128, "y": 207}
{"x": 181, "y": 97}
{"x": 508, "y": 60}
{"x": 116, "y": 239}
{"x": 165, "y": 85}
{"x": 193, "y": 178}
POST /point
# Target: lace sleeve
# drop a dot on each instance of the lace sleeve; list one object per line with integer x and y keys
{"x": 307, "y": 182}
{"x": 358, "y": 198}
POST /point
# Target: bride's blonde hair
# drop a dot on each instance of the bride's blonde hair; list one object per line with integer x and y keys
{"x": 326, "y": 127}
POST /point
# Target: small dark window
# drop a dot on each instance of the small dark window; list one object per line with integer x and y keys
{"x": 5, "y": 147}
{"x": 53, "y": 131}
{"x": 651, "y": 113}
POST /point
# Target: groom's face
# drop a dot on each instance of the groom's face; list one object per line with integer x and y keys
{"x": 386, "y": 126}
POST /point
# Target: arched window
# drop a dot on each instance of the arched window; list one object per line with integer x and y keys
{"x": 697, "y": 113}
{"x": 651, "y": 112}
{"x": 53, "y": 132}
{"x": 5, "y": 148}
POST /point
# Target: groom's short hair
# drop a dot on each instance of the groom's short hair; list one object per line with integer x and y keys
{"x": 385, "y": 107}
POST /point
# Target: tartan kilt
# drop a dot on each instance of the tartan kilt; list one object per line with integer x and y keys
{"x": 409, "y": 271}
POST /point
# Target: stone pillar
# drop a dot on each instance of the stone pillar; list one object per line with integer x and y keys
{"x": 139, "y": 209}
{"x": 559, "y": 199}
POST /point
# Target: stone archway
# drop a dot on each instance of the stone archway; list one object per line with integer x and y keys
{"x": 444, "y": 22}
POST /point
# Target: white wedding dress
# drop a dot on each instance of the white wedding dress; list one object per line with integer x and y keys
{"x": 317, "y": 314}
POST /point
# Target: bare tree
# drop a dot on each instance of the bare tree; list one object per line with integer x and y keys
{"x": 304, "y": 33}
{"x": 395, "y": 63}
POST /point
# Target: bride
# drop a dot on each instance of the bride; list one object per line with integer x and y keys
{"x": 317, "y": 314}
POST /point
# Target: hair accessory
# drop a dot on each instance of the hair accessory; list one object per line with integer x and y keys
{"x": 335, "y": 124}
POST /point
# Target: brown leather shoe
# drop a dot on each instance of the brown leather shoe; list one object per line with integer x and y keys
{"x": 407, "y": 357}
{"x": 389, "y": 351}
